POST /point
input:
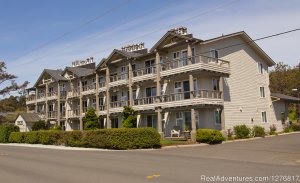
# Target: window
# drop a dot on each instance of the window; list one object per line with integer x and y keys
{"x": 176, "y": 55}
{"x": 114, "y": 123}
{"x": 262, "y": 92}
{"x": 151, "y": 121}
{"x": 195, "y": 87}
{"x": 260, "y": 68}
{"x": 216, "y": 86}
{"x": 133, "y": 67}
{"x": 101, "y": 102}
{"x": 214, "y": 54}
{"x": 179, "y": 120}
{"x": 19, "y": 122}
{"x": 193, "y": 55}
{"x": 264, "y": 116}
{"x": 94, "y": 83}
{"x": 94, "y": 103}
{"x": 114, "y": 98}
{"x": 84, "y": 85}
{"x": 101, "y": 81}
{"x": 218, "y": 116}
{"x": 84, "y": 105}
{"x": 149, "y": 64}
{"x": 150, "y": 94}
{"x": 184, "y": 57}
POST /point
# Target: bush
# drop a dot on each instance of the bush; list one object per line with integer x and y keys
{"x": 241, "y": 131}
{"x": 6, "y": 130}
{"x": 273, "y": 130}
{"x": 91, "y": 120}
{"x": 135, "y": 138}
{"x": 295, "y": 127}
{"x": 288, "y": 129}
{"x": 40, "y": 125}
{"x": 129, "y": 119}
{"x": 258, "y": 131}
{"x": 209, "y": 136}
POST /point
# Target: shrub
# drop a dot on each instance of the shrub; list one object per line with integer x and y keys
{"x": 91, "y": 120}
{"x": 129, "y": 119}
{"x": 135, "y": 138}
{"x": 241, "y": 131}
{"x": 73, "y": 139}
{"x": 120, "y": 138}
{"x": 273, "y": 130}
{"x": 287, "y": 129}
{"x": 56, "y": 128}
{"x": 16, "y": 137}
{"x": 40, "y": 125}
{"x": 258, "y": 131}
{"x": 6, "y": 130}
{"x": 209, "y": 136}
{"x": 295, "y": 127}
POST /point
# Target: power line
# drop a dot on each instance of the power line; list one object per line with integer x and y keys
{"x": 110, "y": 29}
{"x": 157, "y": 30}
{"x": 74, "y": 29}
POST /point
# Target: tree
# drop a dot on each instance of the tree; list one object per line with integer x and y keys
{"x": 40, "y": 125}
{"x": 91, "y": 120}
{"x": 129, "y": 118}
{"x": 6, "y": 77}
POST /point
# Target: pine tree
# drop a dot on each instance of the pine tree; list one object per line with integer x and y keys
{"x": 129, "y": 118}
{"x": 91, "y": 119}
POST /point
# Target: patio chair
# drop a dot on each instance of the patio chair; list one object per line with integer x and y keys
{"x": 175, "y": 131}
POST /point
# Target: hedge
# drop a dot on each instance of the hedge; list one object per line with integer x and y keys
{"x": 209, "y": 136}
{"x": 120, "y": 138}
{"x": 6, "y": 130}
{"x": 258, "y": 131}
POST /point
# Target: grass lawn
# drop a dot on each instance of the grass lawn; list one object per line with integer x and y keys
{"x": 173, "y": 142}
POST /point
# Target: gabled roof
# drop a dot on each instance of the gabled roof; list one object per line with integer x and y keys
{"x": 249, "y": 41}
{"x": 285, "y": 97}
{"x": 30, "y": 117}
{"x": 173, "y": 34}
{"x": 79, "y": 72}
{"x": 101, "y": 63}
{"x": 124, "y": 54}
{"x": 55, "y": 74}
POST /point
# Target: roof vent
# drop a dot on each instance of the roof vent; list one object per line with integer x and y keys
{"x": 180, "y": 30}
{"x": 133, "y": 47}
{"x": 83, "y": 62}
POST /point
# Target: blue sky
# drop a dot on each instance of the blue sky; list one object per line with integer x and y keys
{"x": 26, "y": 25}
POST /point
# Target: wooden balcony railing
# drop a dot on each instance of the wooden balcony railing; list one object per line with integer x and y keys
{"x": 145, "y": 100}
{"x": 123, "y": 76}
{"x": 176, "y": 63}
{"x": 52, "y": 114}
{"x": 51, "y": 94}
{"x": 30, "y": 97}
{"x": 41, "y": 95}
{"x": 74, "y": 113}
{"x": 144, "y": 71}
{"x": 188, "y": 95}
{"x": 89, "y": 87}
{"x": 101, "y": 84}
{"x": 119, "y": 103}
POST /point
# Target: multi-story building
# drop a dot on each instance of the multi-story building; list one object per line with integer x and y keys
{"x": 181, "y": 82}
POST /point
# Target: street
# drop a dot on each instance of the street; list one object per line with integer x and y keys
{"x": 275, "y": 156}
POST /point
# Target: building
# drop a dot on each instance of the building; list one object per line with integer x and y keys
{"x": 25, "y": 121}
{"x": 181, "y": 82}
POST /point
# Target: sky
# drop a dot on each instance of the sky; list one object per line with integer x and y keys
{"x": 35, "y": 34}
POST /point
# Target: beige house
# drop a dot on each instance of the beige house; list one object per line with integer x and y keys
{"x": 182, "y": 82}
{"x": 25, "y": 121}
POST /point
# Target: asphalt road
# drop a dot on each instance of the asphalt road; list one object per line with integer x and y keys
{"x": 276, "y": 156}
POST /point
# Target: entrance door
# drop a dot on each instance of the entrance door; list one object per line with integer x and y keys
{"x": 187, "y": 121}
{"x": 184, "y": 58}
{"x": 151, "y": 121}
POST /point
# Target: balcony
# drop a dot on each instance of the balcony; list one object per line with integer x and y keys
{"x": 52, "y": 95}
{"x": 102, "y": 87}
{"x": 63, "y": 94}
{"x": 197, "y": 63}
{"x": 40, "y": 97}
{"x": 74, "y": 113}
{"x": 63, "y": 114}
{"x": 73, "y": 93}
{"x": 89, "y": 89}
{"x": 146, "y": 73}
{"x": 30, "y": 99}
{"x": 117, "y": 80}
{"x": 52, "y": 115}
{"x": 199, "y": 97}
{"x": 145, "y": 103}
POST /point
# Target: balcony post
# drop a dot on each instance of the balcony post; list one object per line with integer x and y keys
{"x": 97, "y": 93}
{"x": 46, "y": 103}
{"x": 159, "y": 123}
{"x": 158, "y": 79}
{"x": 194, "y": 128}
{"x": 130, "y": 83}
{"x": 80, "y": 105}
{"x": 58, "y": 103}
{"x": 35, "y": 103}
{"x": 108, "y": 122}
{"x": 189, "y": 54}
{"x": 191, "y": 82}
